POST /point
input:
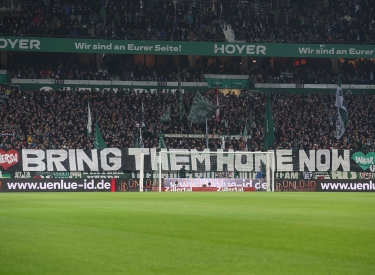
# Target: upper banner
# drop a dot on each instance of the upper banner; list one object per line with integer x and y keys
{"x": 76, "y": 45}
{"x": 128, "y": 159}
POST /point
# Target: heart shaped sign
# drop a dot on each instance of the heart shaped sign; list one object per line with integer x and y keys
{"x": 8, "y": 159}
{"x": 364, "y": 161}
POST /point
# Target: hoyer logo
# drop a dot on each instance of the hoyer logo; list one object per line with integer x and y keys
{"x": 240, "y": 49}
{"x": 23, "y": 44}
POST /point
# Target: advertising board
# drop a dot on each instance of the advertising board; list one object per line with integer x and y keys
{"x": 57, "y": 185}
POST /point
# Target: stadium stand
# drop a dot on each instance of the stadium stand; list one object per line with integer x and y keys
{"x": 296, "y": 21}
{"x": 58, "y": 119}
{"x": 132, "y": 19}
{"x": 26, "y": 65}
{"x": 53, "y": 66}
{"x": 304, "y": 21}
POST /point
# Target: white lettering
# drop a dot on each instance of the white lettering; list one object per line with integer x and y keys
{"x": 3, "y": 43}
{"x": 12, "y": 43}
{"x": 35, "y": 44}
{"x": 34, "y": 163}
{"x": 216, "y": 48}
{"x": 261, "y": 49}
{"x": 56, "y": 157}
{"x": 230, "y": 49}
{"x": 116, "y": 160}
{"x": 23, "y": 44}
{"x": 250, "y": 49}
{"x": 305, "y": 160}
{"x": 91, "y": 163}
{"x": 240, "y": 49}
{"x": 248, "y": 164}
{"x": 323, "y": 164}
{"x": 284, "y": 160}
{"x": 201, "y": 158}
{"x": 344, "y": 160}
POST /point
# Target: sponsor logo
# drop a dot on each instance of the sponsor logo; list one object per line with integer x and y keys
{"x": 346, "y": 186}
{"x": 258, "y": 184}
{"x": 132, "y": 185}
{"x": 23, "y": 44}
{"x": 56, "y": 185}
{"x": 322, "y": 175}
{"x": 366, "y": 175}
{"x": 230, "y": 189}
{"x": 178, "y": 189}
{"x": 8, "y": 159}
{"x": 295, "y": 185}
{"x": 223, "y": 174}
{"x": 240, "y": 49}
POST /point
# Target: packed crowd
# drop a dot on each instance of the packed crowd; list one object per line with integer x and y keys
{"x": 359, "y": 72}
{"x": 115, "y": 19}
{"x": 68, "y": 66}
{"x": 343, "y": 21}
{"x": 23, "y": 65}
{"x": 26, "y": 65}
{"x": 58, "y": 119}
{"x": 128, "y": 70}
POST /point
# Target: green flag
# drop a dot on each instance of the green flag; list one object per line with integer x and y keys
{"x": 166, "y": 116}
{"x": 245, "y": 131}
{"x": 201, "y": 109}
{"x": 99, "y": 142}
{"x": 162, "y": 143}
{"x": 269, "y": 138}
{"x": 181, "y": 107}
{"x": 342, "y": 112}
{"x": 250, "y": 122}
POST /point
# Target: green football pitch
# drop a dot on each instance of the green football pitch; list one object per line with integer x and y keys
{"x": 187, "y": 233}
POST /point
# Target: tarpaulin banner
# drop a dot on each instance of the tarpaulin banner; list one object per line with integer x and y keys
{"x": 118, "y": 160}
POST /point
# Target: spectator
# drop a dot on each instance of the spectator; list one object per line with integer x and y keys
{"x": 112, "y": 19}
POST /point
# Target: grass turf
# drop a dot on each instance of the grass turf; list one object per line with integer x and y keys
{"x": 187, "y": 233}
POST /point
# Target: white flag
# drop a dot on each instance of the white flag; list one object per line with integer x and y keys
{"x": 89, "y": 121}
{"x": 141, "y": 143}
{"x": 223, "y": 143}
{"x": 342, "y": 112}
